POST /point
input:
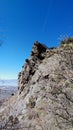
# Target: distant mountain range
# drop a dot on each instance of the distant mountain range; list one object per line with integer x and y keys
{"x": 11, "y": 82}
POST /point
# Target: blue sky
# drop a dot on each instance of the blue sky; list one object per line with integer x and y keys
{"x": 24, "y": 21}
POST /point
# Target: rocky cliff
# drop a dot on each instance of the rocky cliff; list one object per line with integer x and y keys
{"x": 44, "y": 100}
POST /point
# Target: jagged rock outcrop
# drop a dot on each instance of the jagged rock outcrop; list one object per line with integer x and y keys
{"x": 44, "y": 100}
{"x": 37, "y": 55}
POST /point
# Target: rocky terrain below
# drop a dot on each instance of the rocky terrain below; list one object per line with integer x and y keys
{"x": 44, "y": 100}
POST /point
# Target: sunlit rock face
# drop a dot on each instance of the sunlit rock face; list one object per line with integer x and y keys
{"x": 37, "y": 55}
{"x": 44, "y": 100}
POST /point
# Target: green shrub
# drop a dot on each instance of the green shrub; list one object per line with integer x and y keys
{"x": 31, "y": 103}
{"x": 67, "y": 41}
{"x": 13, "y": 120}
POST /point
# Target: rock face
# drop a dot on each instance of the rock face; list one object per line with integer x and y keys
{"x": 37, "y": 55}
{"x": 44, "y": 100}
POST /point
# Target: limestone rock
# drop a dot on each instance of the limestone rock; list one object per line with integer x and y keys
{"x": 44, "y": 100}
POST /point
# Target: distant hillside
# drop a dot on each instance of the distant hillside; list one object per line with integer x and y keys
{"x": 7, "y": 88}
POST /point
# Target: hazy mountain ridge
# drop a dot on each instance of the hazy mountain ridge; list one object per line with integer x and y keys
{"x": 44, "y": 100}
{"x": 10, "y": 82}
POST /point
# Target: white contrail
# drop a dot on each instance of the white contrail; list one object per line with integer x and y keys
{"x": 50, "y": 3}
{"x": 1, "y": 42}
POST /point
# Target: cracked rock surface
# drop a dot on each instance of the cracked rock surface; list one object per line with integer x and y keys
{"x": 44, "y": 100}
